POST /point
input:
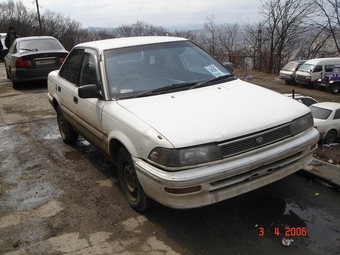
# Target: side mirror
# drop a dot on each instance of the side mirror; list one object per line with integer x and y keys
{"x": 88, "y": 91}
{"x": 229, "y": 66}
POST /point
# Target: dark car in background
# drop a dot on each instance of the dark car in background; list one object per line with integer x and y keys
{"x": 330, "y": 82}
{"x": 33, "y": 58}
{"x": 287, "y": 72}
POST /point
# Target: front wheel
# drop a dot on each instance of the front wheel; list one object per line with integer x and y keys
{"x": 335, "y": 88}
{"x": 330, "y": 137}
{"x": 129, "y": 182}
{"x": 68, "y": 134}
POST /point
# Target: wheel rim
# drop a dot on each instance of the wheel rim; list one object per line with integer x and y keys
{"x": 131, "y": 182}
{"x": 336, "y": 89}
{"x": 330, "y": 137}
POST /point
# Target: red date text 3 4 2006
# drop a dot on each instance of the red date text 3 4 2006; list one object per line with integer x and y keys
{"x": 288, "y": 231}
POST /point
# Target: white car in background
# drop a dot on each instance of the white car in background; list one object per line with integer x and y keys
{"x": 181, "y": 128}
{"x": 306, "y": 100}
{"x": 326, "y": 117}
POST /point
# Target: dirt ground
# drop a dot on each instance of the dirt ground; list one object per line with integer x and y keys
{"x": 329, "y": 153}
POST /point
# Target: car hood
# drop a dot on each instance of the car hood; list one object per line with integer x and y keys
{"x": 214, "y": 113}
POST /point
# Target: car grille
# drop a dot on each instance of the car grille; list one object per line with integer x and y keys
{"x": 254, "y": 141}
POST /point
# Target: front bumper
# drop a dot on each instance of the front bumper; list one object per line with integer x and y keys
{"x": 230, "y": 177}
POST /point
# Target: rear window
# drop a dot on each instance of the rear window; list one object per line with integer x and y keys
{"x": 39, "y": 45}
{"x": 320, "y": 113}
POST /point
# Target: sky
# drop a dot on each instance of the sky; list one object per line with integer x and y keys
{"x": 165, "y": 13}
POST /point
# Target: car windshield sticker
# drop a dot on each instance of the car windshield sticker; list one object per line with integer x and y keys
{"x": 214, "y": 70}
{"x": 126, "y": 90}
{"x": 152, "y": 60}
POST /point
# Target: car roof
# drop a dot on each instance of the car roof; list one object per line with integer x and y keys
{"x": 129, "y": 41}
{"x": 316, "y": 61}
{"x": 297, "y": 61}
{"x": 28, "y": 38}
{"x": 328, "y": 105}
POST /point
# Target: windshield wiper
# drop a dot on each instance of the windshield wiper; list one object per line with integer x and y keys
{"x": 207, "y": 82}
{"x": 165, "y": 88}
{"x": 28, "y": 49}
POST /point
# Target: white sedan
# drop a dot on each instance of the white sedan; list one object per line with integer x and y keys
{"x": 326, "y": 117}
{"x": 182, "y": 129}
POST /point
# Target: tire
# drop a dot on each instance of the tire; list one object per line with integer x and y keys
{"x": 129, "y": 182}
{"x": 335, "y": 88}
{"x": 8, "y": 77}
{"x": 16, "y": 85}
{"x": 330, "y": 137}
{"x": 68, "y": 134}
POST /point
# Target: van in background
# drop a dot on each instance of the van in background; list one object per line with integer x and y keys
{"x": 314, "y": 69}
{"x": 288, "y": 72}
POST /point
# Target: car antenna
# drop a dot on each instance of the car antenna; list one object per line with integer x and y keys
{"x": 293, "y": 93}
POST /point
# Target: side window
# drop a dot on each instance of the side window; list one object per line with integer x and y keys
{"x": 329, "y": 68}
{"x": 71, "y": 68}
{"x": 13, "y": 48}
{"x": 317, "y": 69}
{"x": 88, "y": 73}
{"x": 337, "y": 114}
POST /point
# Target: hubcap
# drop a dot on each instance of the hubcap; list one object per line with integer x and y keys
{"x": 131, "y": 184}
{"x": 61, "y": 126}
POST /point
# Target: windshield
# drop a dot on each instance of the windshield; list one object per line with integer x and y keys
{"x": 320, "y": 113}
{"x": 290, "y": 66}
{"x": 306, "y": 67}
{"x": 159, "y": 67}
{"x": 336, "y": 69}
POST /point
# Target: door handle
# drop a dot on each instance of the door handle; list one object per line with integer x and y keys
{"x": 75, "y": 100}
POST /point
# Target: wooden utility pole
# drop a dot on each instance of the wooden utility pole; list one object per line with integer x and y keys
{"x": 40, "y": 27}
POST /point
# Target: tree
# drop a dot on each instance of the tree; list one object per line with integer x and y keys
{"x": 210, "y": 37}
{"x": 330, "y": 22}
{"x": 283, "y": 26}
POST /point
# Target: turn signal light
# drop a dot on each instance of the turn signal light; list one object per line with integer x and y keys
{"x": 183, "y": 190}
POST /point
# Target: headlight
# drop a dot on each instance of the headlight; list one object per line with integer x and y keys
{"x": 186, "y": 156}
{"x": 301, "y": 124}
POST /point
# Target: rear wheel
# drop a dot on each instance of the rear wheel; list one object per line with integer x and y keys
{"x": 129, "y": 182}
{"x": 330, "y": 137}
{"x": 68, "y": 134}
{"x": 16, "y": 85}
